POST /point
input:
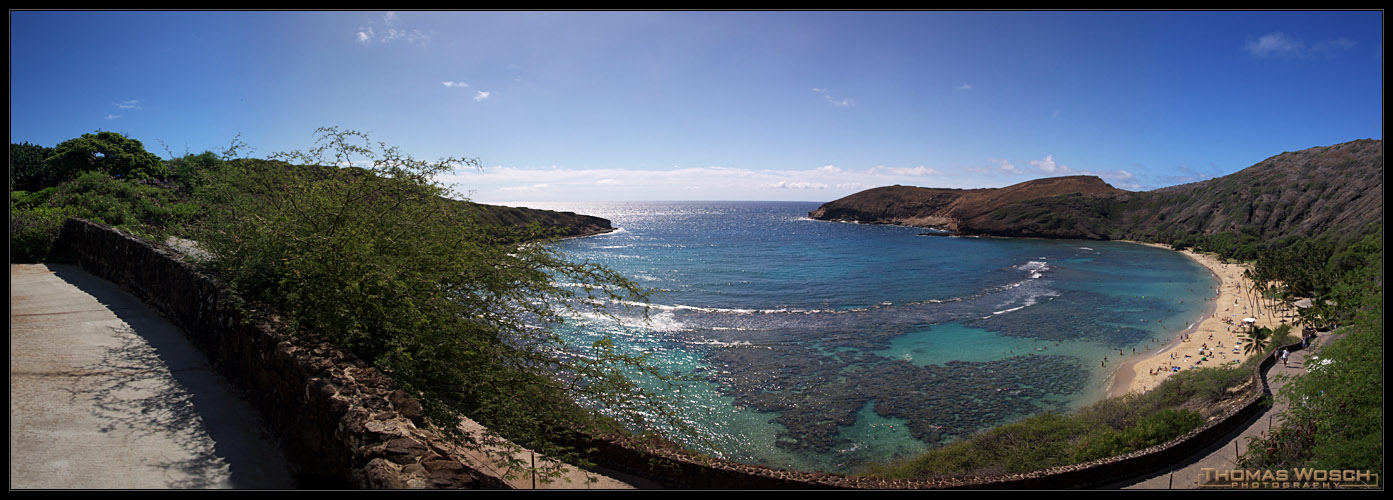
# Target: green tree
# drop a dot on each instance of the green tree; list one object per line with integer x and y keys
{"x": 27, "y": 171}
{"x": 359, "y": 242}
{"x": 107, "y": 152}
{"x": 1256, "y": 339}
{"x": 191, "y": 171}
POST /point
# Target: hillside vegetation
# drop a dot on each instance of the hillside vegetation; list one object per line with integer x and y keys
{"x": 164, "y": 201}
{"x": 1333, "y": 192}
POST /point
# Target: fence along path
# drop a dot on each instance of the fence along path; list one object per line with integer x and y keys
{"x": 1223, "y": 456}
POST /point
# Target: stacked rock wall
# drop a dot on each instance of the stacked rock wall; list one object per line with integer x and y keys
{"x": 341, "y": 423}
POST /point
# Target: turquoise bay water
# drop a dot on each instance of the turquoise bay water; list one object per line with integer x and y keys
{"x": 825, "y": 346}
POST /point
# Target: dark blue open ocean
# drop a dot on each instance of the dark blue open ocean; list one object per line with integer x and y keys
{"x": 825, "y": 345}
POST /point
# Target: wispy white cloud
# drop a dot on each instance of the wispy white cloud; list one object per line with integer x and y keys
{"x": 796, "y": 185}
{"x": 1278, "y": 44}
{"x": 1003, "y": 165}
{"x": 413, "y": 37}
{"x": 1117, "y": 178}
{"x": 1049, "y": 166}
{"x": 1181, "y": 174}
{"x": 127, "y": 105}
{"x": 1273, "y": 44}
{"x": 841, "y": 103}
{"x": 904, "y": 171}
{"x": 524, "y": 189}
{"x": 996, "y": 166}
{"x": 479, "y": 95}
{"x": 1121, "y": 179}
{"x": 387, "y": 31}
{"x": 965, "y": 87}
{"x": 1333, "y": 45}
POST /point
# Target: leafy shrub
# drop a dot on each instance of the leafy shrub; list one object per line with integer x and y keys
{"x": 1152, "y": 429}
{"x": 192, "y": 171}
{"x": 121, "y": 203}
{"x": 27, "y": 200}
{"x": 378, "y": 259}
{"x": 33, "y": 231}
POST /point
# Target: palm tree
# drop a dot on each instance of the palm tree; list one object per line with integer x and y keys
{"x": 1256, "y": 339}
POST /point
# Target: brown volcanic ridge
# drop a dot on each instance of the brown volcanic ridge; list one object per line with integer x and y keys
{"x": 949, "y": 209}
{"x": 1333, "y": 192}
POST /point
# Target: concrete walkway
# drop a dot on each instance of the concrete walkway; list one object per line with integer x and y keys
{"x": 1223, "y": 455}
{"x": 105, "y": 394}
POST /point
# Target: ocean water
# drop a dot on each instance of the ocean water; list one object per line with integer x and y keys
{"x": 826, "y": 346}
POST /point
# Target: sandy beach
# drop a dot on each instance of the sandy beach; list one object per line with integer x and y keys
{"x": 1218, "y": 330}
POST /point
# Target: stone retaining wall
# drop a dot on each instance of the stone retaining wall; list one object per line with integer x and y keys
{"x": 341, "y": 423}
{"x": 344, "y": 425}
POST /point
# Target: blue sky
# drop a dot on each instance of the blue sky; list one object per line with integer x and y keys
{"x": 808, "y": 106}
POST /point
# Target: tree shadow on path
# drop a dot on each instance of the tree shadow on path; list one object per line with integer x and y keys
{"x": 154, "y": 384}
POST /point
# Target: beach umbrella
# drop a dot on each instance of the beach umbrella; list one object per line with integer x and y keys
{"x": 1250, "y": 320}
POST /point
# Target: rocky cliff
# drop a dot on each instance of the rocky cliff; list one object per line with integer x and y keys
{"x": 1329, "y": 192}
{"x": 565, "y": 224}
{"x": 965, "y": 211}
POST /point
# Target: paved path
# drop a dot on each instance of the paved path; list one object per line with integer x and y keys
{"x": 1222, "y": 456}
{"x": 105, "y": 394}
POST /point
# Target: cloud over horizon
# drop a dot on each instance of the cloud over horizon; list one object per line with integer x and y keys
{"x": 498, "y": 183}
